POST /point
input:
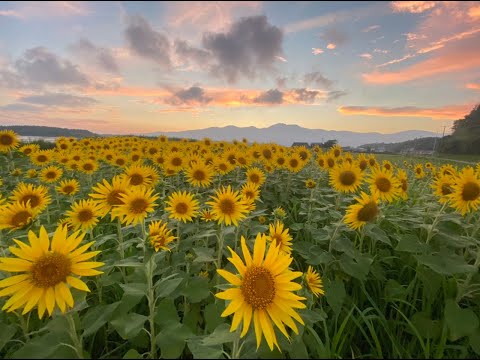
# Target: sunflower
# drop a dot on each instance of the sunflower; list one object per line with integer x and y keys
{"x": 8, "y": 140}
{"x": 222, "y": 167}
{"x": 402, "y": 177}
{"x": 442, "y": 187}
{"x": 255, "y": 175}
{"x": 37, "y": 196}
{"x": 250, "y": 191}
{"x": 137, "y": 203}
{"x": 279, "y": 212}
{"x": 281, "y": 237}
{"x": 108, "y": 195}
{"x": 41, "y": 157}
{"x": 120, "y": 160}
{"x": 365, "y": 210}
{"x": 372, "y": 162}
{"x": 182, "y": 206}
{"x": 387, "y": 165}
{"x": 199, "y": 174}
{"x": 419, "y": 173}
{"x": 336, "y": 150}
{"x": 329, "y": 161}
{"x": 175, "y": 161}
{"x": 32, "y": 173}
{"x": 384, "y": 184}
{"x": 206, "y": 215}
{"x": 47, "y": 270}
{"x": 51, "y": 174}
{"x": 362, "y": 162}
{"x": 448, "y": 170}
{"x": 295, "y": 163}
{"x": 88, "y": 166}
{"x": 346, "y": 177}
{"x": 262, "y": 290}
{"x": 159, "y": 235}
{"x": 16, "y": 215}
{"x": 262, "y": 219}
{"x": 29, "y": 148}
{"x": 68, "y": 187}
{"x": 84, "y": 214}
{"x": 228, "y": 206}
{"x": 310, "y": 184}
{"x": 466, "y": 191}
{"x": 314, "y": 281}
{"x": 140, "y": 175}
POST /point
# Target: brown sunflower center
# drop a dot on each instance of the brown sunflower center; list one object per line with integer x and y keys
{"x": 267, "y": 154}
{"x": 135, "y": 157}
{"x": 372, "y": 162}
{"x": 387, "y": 166}
{"x": 76, "y": 157}
{"x": 418, "y": 170}
{"x": 293, "y": 163}
{"x": 347, "y": 177}
{"x": 278, "y": 239}
{"x": 138, "y": 206}
{"x": 63, "y": 146}
{"x": 336, "y": 152}
{"x": 159, "y": 239}
{"x": 67, "y": 189}
{"x": 51, "y": 175}
{"x": 258, "y": 287}
{"x": 303, "y": 154}
{"x": 222, "y": 167}
{"x": 85, "y": 215}
{"x": 280, "y": 161}
{"x": 41, "y": 158}
{"x": 87, "y": 167}
{"x": 21, "y": 218}
{"x": 34, "y": 200}
{"x": 254, "y": 178}
{"x": 50, "y": 269}
{"x": 368, "y": 212}
{"x": 136, "y": 179}
{"x": 383, "y": 184}
{"x": 330, "y": 163}
{"x": 242, "y": 160}
{"x": 471, "y": 191}
{"x": 120, "y": 162}
{"x": 249, "y": 194}
{"x": 176, "y": 161}
{"x": 6, "y": 139}
{"x": 181, "y": 208}
{"x": 113, "y": 198}
{"x": 404, "y": 184}
{"x": 363, "y": 164}
{"x": 199, "y": 175}
{"x": 446, "y": 189}
{"x": 321, "y": 162}
{"x": 227, "y": 206}
{"x": 27, "y": 151}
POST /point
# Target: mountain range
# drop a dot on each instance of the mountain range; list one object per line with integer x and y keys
{"x": 286, "y": 135}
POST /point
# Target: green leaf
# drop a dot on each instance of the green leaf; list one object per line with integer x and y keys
{"x": 378, "y": 234}
{"x": 445, "y": 263}
{"x": 166, "y": 287}
{"x": 129, "y": 325}
{"x": 221, "y": 335}
{"x": 311, "y": 316}
{"x": 47, "y": 346}
{"x": 166, "y": 313}
{"x": 97, "y": 316}
{"x": 357, "y": 267}
{"x": 427, "y": 328}
{"x": 172, "y": 339}
{"x": 412, "y": 244}
{"x": 7, "y": 332}
{"x": 212, "y": 316}
{"x": 132, "y": 354}
{"x": 460, "y": 322}
{"x": 196, "y": 289}
{"x": 204, "y": 254}
{"x": 474, "y": 340}
{"x": 134, "y": 289}
{"x": 200, "y": 351}
{"x": 335, "y": 294}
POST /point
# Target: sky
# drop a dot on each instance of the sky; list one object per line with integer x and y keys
{"x": 140, "y": 67}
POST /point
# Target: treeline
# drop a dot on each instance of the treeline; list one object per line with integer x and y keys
{"x": 465, "y": 138}
{"x": 47, "y": 131}
{"x": 420, "y": 144}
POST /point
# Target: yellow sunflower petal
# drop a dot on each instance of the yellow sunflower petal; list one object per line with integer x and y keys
{"x": 247, "y": 318}
{"x": 50, "y": 300}
{"x": 66, "y": 294}
{"x": 13, "y": 280}
{"x": 259, "y": 250}
{"x": 77, "y": 283}
{"x": 232, "y": 307}
{"x": 232, "y": 279}
{"x": 229, "y": 294}
{"x": 35, "y": 296}
{"x": 59, "y": 298}
{"x": 237, "y": 318}
{"x": 14, "y": 265}
{"x": 246, "y": 252}
{"x": 258, "y": 328}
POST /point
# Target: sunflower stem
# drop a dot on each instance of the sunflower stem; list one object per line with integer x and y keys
{"x": 77, "y": 340}
{"x": 151, "y": 306}
{"x": 466, "y": 283}
{"x": 220, "y": 246}
{"x": 120, "y": 238}
{"x": 236, "y": 347}
{"x": 435, "y": 221}
{"x": 144, "y": 237}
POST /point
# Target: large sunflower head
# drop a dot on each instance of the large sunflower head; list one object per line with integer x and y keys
{"x": 138, "y": 202}
{"x": 314, "y": 281}
{"x": 280, "y": 237}
{"x": 51, "y": 174}
{"x": 255, "y": 175}
{"x": 84, "y": 214}
{"x": 29, "y": 148}
{"x": 250, "y": 191}
{"x": 336, "y": 150}
{"x": 16, "y": 215}
{"x": 199, "y": 174}
{"x": 160, "y": 236}
{"x": 228, "y": 206}
{"x": 363, "y": 211}
{"x": 41, "y": 157}
{"x": 68, "y": 187}
{"x": 466, "y": 191}
{"x": 36, "y": 196}
{"x": 384, "y": 184}
{"x": 447, "y": 170}
{"x": 443, "y": 187}
{"x": 47, "y": 271}
{"x": 263, "y": 291}
{"x": 88, "y": 166}
{"x": 141, "y": 175}
{"x": 109, "y": 195}
{"x": 403, "y": 179}
{"x": 419, "y": 172}
{"x": 346, "y": 177}
{"x": 8, "y": 140}
{"x": 182, "y": 206}
{"x": 295, "y": 163}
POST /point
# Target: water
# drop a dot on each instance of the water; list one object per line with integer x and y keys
{"x": 35, "y": 138}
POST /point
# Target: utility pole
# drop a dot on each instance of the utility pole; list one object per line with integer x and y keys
{"x": 436, "y": 139}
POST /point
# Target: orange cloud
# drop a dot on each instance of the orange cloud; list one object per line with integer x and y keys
{"x": 473, "y": 86}
{"x": 474, "y": 12}
{"x": 415, "y": 7}
{"x": 450, "y": 112}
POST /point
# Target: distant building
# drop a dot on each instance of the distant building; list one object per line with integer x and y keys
{"x": 300, "y": 144}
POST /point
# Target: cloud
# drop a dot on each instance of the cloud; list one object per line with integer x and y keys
{"x": 473, "y": 86}
{"x": 366, "y": 56}
{"x": 451, "y": 112}
{"x": 58, "y": 99}
{"x": 307, "y": 96}
{"x": 415, "y": 7}
{"x": 331, "y": 46}
{"x": 100, "y": 56}
{"x": 146, "y": 42}
{"x": 317, "y": 51}
{"x": 10, "y": 13}
{"x": 25, "y": 10}
{"x": 335, "y": 94}
{"x": 280, "y": 58}
{"x": 272, "y": 96}
{"x": 249, "y": 47}
{"x": 40, "y": 66}
{"x": 20, "y": 107}
{"x": 281, "y": 82}
{"x": 457, "y": 57}
{"x": 192, "y": 96}
{"x": 189, "y": 54}
{"x": 334, "y": 37}
{"x": 371, "y": 28}
{"x": 315, "y": 78}
{"x": 11, "y": 80}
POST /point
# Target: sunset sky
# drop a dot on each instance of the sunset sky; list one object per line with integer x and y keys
{"x": 127, "y": 67}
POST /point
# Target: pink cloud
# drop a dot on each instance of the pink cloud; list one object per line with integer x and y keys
{"x": 371, "y": 28}
{"x": 415, "y": 7}
{"x": 473, "y": 86}
{"x": 46, "y": 9}
{"x": 282, "y": 59}
{"x": 366, "y": 56}
{"x": 317, "y": 51}
{"x": 331, "y": 46}
{"x": 451, "y": 112}
{"x": 474, "y": 12}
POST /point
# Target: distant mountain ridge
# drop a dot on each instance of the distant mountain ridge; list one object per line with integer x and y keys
{"x": 286, "y": 135}
{"x": 47, "y": 131}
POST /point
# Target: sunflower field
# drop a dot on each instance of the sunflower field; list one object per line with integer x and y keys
{"x": 135, "y": 248}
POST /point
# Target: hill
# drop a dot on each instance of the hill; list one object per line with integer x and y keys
{"x": 47, "y": 131}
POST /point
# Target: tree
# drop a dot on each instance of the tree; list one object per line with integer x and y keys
{"x": 330, "y": 143}
{"x": 465, "y": 138}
